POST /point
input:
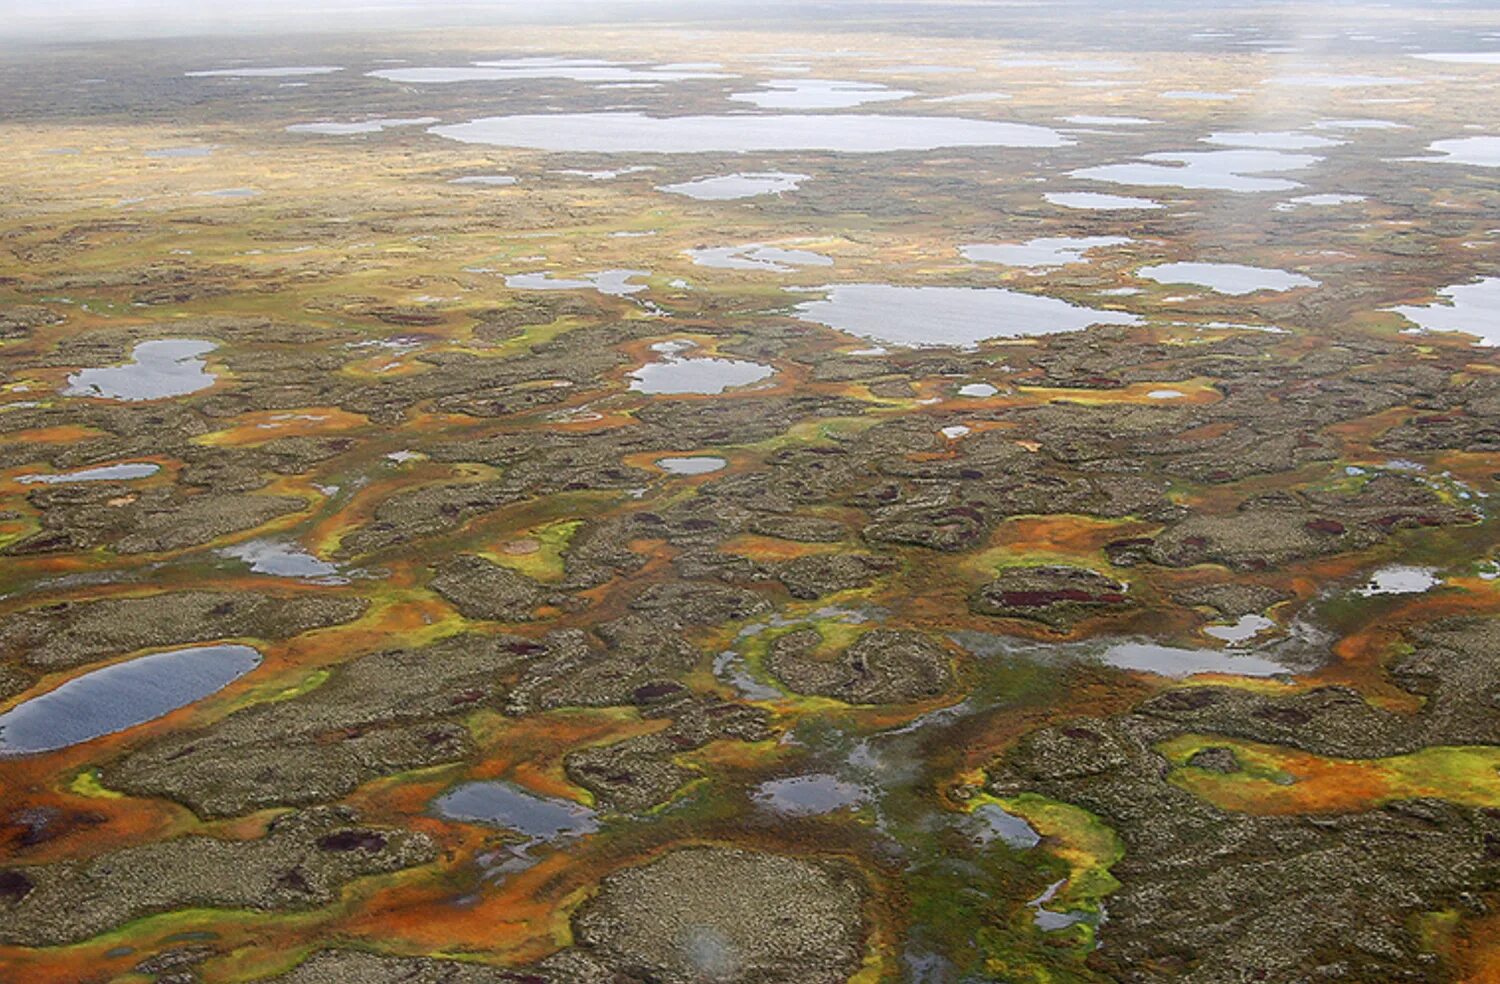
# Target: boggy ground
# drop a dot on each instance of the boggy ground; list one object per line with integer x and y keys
{"x": 1205, "y": 733}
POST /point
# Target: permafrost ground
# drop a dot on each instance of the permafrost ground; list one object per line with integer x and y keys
{"x": 980, "y": 495}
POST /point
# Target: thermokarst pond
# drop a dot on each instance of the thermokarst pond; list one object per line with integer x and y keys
{"x": 637, "y": 133}
{"x": 121, "y": 696}
{"x": 158, "y": 369}
{"x": 961, "y": 317}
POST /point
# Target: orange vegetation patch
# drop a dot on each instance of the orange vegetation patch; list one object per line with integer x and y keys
{"x": 770, "y": 548}
{"x": 61, "y": 434}
{"x": 1075, "y": 535}
{"x": 1277, "y": 780}
{"x": 258, "y": 427}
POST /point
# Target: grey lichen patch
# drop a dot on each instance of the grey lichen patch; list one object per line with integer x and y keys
{"x": 375, "y": 716}
{"x": 107, "y": 514}
{"x": 66, "y": 634}
{"x": 699, "y": 602}
{"x": 300, "y": 863}
{"x": 351, "y": 966}
{"x": 727, "y": 915}
{"x": 820, "y": 574}
{"x": 642, "y": 772}
{"x": 482, "y": 589}
{"x": 883, "y": 666}
{"x": 1056, "y": 596}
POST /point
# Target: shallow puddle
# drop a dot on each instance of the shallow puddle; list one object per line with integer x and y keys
{"x": 637, "y": 133}
{"x": 1241, "y": 170}
{"x": 361, "y": 126}
{"x": 594, "y": 70}
{"x": 180, "y": 152}
{"x": 1243, "y": 629}
{"x": 1172, "y": 661}
{"x": 615, "y": 283}
{"x": 818, "y": 94}
{"x": 1226, "y": 278}
{"x": 694, "y": 465}
{"x": 1098, "y": 202}
{"x": 754, "y": 256}
{"x": 284, "y": 559}
{"x": 733, "y": 186}
{"x": 1400, "y": 579}
{"x": 809, "y": 795}
{"x": 484, "y": 179}
{"x": 992, "y": 823}
{"x": 276, "y": 72}
{"x": 504, "y": 804}
{"x": 1039, "y": 254}
{"x": 918, "y": 317}
{"x": 1473, "y": 309}
{"x": 121, "y": 696}
{"x": 706, "y": 377}
{"x": 124, "y": 472}
{"x": 159, "y": 369}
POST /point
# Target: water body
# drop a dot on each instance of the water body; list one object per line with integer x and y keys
{"x": 705, "y": 377}
{"x": 1132, "y": 654}
{"x": 963, "y": 98}
{"x": 1085, "y": 120}
{"x": 1199, "y": 95}
{"x": 1172, "y": 661}
{"x": 1049, "y": 921}
{"x": 281, "y": 558}
{"x": 1473, "y": 309}
{"x": 615, "y": 283}
{"x": 755, "y": 256}
{"x": 1039, "y": 254}
{"x": 605, "y": 174}
{"x": 124, "y": 472}
{"x": 980, "y": 390}
{"x": 484, "y": 179}
{"x": 1098, "y": 202}
{"x": 808, "y": 795}
{"x": 1166, "y": 394}
{"x": 1472, "y": 151}
{"x": 818, "y": 94}
{"x": 1315, "y": 81}
{"x": 1318, "y": 201}
{"x": 920, "y": 317}
{"x": 995, "y": 823}
{"x": 200, "y": 150}
{"x": 733, "y": 186}
{"x": 1400, "y": 579}
{"x": 592, "y": 70}
{"x": 1271, "y": 140}
{"x": 1226, "y": 278}
{"x": 361, "y": 126}
{"x": 158, "y": 369}
{"x": 1239, "y": 170}
{"x": 691, "y": 465}
{"x": 121, "y": 696}
{"x": 1461, "y": 57}
{"x": 730, "y": 667}
{"x": 504, "y": 804}
{"x": 1243, "y": 629}
{"x": 286, "y": 71}
{"x": 229, "y": 193}
{"x": 637, "y": 133}
{"x": 1066, "y": 64}
{"x": 1360, "y": 124}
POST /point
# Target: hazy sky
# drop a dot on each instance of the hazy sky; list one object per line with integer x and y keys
{"x": 83, "y": 19}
